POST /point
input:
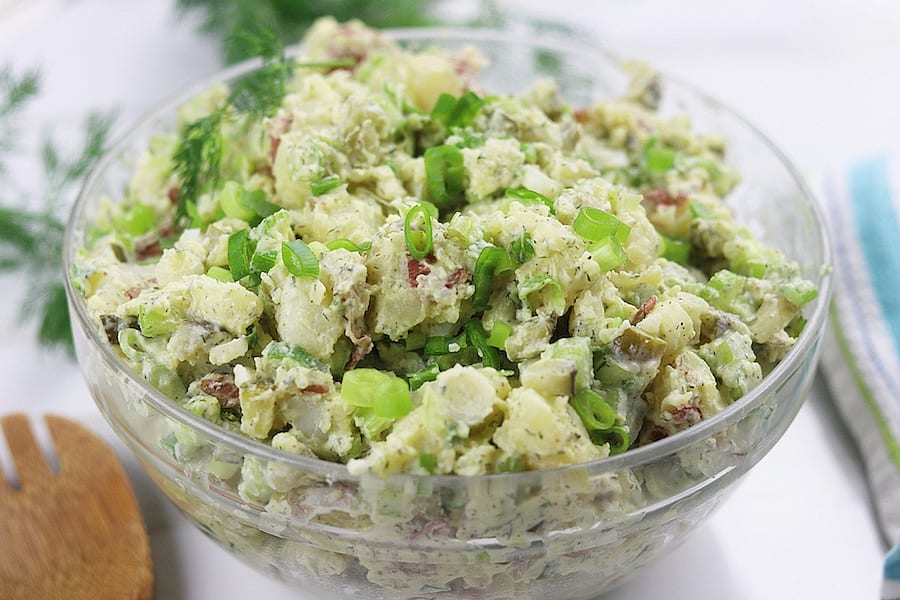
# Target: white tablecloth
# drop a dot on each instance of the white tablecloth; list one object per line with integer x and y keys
{"x": 822, "y": 79}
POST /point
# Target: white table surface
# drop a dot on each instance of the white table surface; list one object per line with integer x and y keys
{"x": 821, "y": 78}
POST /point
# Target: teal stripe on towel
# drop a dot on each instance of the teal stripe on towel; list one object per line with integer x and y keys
{"x": 892, "y": 564}
{"x": 879, "y": 235}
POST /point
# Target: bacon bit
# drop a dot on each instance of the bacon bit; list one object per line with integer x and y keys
{"x": 644, "y": 310}
{"x": 277, "y": 127}
{"x": 362, "y": 343}
{"x": 662, "y": 197}
{"x": 222, "y": 387}
{"x": 687, "y": 415}
{"x": 581, "y": 115}
{"x": 461, "y": 275}
{"x": 174, "y": 194}
{"x": 315, "y": 388}
{"x": 415, "y": 268}
{"x": 360, "y": 351}
{"x": 132, "y": 292}
{"x": 147, "y": 248}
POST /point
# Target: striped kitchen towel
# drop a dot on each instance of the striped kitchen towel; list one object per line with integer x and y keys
{"x": 861, "y": 354}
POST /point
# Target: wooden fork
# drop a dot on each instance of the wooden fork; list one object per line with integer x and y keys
{"x": 76, "y": 534}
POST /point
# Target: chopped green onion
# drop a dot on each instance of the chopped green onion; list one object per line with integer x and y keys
{"x": 418, "y": 241}
{"x": 800, "y": 293}
{"x": 723, "y": 352}
{"x": 658, "y": 158}
{"x": 239, "y": 203}
{"x": 262, "y": 262}
{"x": 299, "y": 259}
{"x": 433, "y": 211}
{"x": 530, "y": 152}
{"x": 252, "y": 280}
{"x": 476, "y": 335}
{"x": 256, "y": 201}
{"x": 444, "y": 173}
{"x": 428, "y": 461}
{"x": 239, "y": 252}
{"x": 338, "y": 63}
{"x": 439, "y": 345}
{"x": 282, "y": 350}
{"x": 675, "y": 249}
{"x": 471, "y": 139}
{"x": 514, "y": 463}
{"x": 616, "y": 436}
{"x": 443, "y": 107}
{"x": 324, "y": 185}
{"x": 456, "y": 113}
{"x": 499, "y": 334}
{"x": 419, "y": 378}
{"x": 385, "y": 393}
{"x": 549, "y": 291}
{"x": 348, "y": 245}
{"x": 701, "y": 211}
{"x": 608, "y": 253}
{"x": 526, "y": 196}
{"x": 367, "y": 68}
{"x": 594, "y": 225}
{"x": 230, "y": 202}
{"x": 521, "y": 249}
{"x": 491, "y": 261}
{"x": 593, "y": 410}
{"x": 137, "y": 220}
{"x": 156, "y": 321}
{"x": 415, "y": 340}
{"x": 220, "y": 274}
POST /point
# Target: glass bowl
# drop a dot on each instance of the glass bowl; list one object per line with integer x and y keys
{"x": 569, "y": 533}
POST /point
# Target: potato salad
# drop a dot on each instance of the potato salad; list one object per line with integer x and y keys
{"x": 369, "y": 258}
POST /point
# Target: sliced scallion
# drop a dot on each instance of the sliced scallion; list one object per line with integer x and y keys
{"x": 324, "y": 185}
{"x": 499, "y": 333}
{"x": 521, "y": 249}
{"x": 491, "y": 261}
{"x": 346, "y": 245}
{"x": 444, "y": 173}
{"x": 608, "y": 253}
{"x": 594, "y": 224}
{"x": 543, "y": 290}
{"x": 137, "y": 220}
{"x": 299, "y": 260}
{"x": 239, "y": 253}
{"x": 419, "y": 242}
{"x": 220, "y": 274}
{"x": 282, "y": 350}
{"x": 526, "y": 196}
{"x": 676, "y": 249}
{"x": 593, "y": 410}
{"x": 419, "y": 378}
{"x": 262, "y": 262}
{"x": 454, "y": 112}
{"x": 385, "y": 393}
{"x": 478, "y": 338}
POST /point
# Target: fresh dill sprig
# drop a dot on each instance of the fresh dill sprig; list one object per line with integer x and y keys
{"x": 15, "y": 92}
{"x": 198, "y": 156}
{"x": 227, "y": 19}
{"x": 197, "y": 159}
{"x": 260, "y": 93}
{"x": 31, "y": 240}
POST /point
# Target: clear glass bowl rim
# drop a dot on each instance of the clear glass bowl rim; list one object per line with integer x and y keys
{"x": 337, "y": 471}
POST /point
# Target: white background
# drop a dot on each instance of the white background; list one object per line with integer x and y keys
{"x": 822, "y": 79}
